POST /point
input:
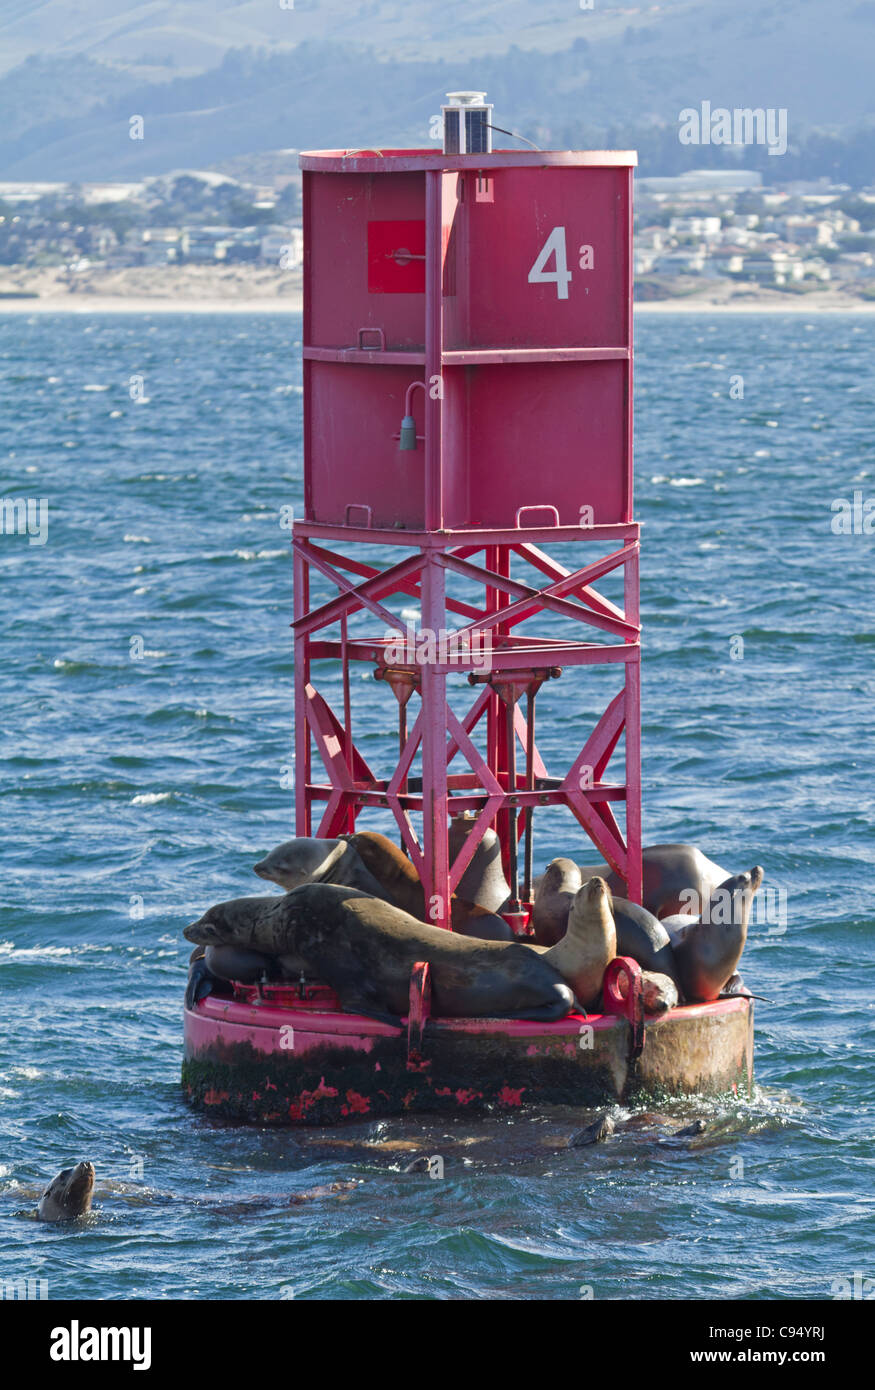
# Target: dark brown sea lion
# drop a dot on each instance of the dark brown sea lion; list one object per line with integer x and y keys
{"x": 643, "y": 937}
{"x": 707, "y": 950}
{"x": 365, "y": 950}
{"x": 68, "y": 1196}
{"x": 601, "y": 1129}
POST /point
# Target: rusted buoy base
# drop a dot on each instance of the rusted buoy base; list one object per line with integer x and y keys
{"x": 258, "y": 1064}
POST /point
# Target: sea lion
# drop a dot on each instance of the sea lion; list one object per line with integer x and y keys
{"x": 482, "y": 925}
{"x": 483, "y": 883}
{"x": 208, "y": 965}
{"x": 365, "y": 949}
{"x": 707, "y": 949}
{"x": 660, "y": 992}
{"x": 68, "y": 1196}
{"x": 374, "y": 864}
{"x": 596, "y": 1133}
{"x": 644, "y": 938}
{"x": 677, "y": 879}
{"x": 304, "y": 860}
{"x": 553, "y": 900}
{"x": 589, "y": 943}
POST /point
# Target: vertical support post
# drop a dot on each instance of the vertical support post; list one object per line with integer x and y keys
{"x": 301, "y": 678}
{"x": 634, "y": 881}
{"x": 434, "y": 258}
{"x": 434, "y": 755}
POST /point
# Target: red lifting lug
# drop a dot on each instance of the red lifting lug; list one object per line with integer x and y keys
{"x": 418, "y": 1015}
{"x": 623, "y": 996}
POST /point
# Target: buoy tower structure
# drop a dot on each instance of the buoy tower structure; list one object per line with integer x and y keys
{"x": 467, "y": 367}
{"x": 467, "y": 349}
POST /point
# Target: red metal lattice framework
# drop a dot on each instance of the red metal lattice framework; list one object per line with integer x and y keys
{"x": 493, "y": 787}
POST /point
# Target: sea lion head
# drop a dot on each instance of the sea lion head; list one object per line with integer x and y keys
{"x": 230, "y": 921}
{"x": 560, "y": 876}
{"x": 591, "y": 903}
{"x": 302, "y": 860}
{"x": 68, "y": 1196}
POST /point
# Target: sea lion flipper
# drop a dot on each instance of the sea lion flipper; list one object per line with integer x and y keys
{"x": 369, "y": 1010}
{"x": 200, "y": 982}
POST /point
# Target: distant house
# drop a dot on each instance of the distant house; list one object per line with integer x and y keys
{"x": 708, "y": 228}
{"x": 681, "y": 262}
{"x": 772, "y": 267}
{"x": 204, "y": 243}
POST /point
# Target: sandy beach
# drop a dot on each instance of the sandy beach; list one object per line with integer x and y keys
{"x": 251, "y": 289}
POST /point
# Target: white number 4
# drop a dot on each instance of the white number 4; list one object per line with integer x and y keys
{"x": 560, "y": 277}
{"x": 555, "y": 245}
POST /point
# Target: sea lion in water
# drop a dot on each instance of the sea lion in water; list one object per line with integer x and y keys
{"x": 589, "y": 944}
{"x": 677, "y": 879}
{"x": 707, "y": 949}
{"x": 553, "y": 900}
{"x": 68, "y": 1196}
{"x": 365, "y": 950}
{"x": 601, "y": 1129}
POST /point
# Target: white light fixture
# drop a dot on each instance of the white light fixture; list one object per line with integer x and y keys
{"x": 467, "y": 123}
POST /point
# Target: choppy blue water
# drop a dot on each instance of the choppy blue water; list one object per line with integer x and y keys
{"x": 136, "y": 791}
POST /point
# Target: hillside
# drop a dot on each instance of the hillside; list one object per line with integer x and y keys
{"x": 217, "y": 79}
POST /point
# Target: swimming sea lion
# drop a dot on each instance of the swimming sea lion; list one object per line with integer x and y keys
{"x": 707, "y": 949}
{"x": 677, "y": 879}
{"x": 365, "y": 950}
{"x": 553, "y": 900}
{"x": 589, "y": 944}
{"x": 601, "y": 1129}
{"x": 68, "y": 1196}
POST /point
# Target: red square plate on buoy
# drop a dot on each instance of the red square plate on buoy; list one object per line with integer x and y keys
{"x": 396, "y": 257}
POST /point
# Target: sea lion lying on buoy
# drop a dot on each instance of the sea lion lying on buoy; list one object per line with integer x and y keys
{"x": 373, "y": 863}
{"x": 677, "y": 879}
{"x": 707, "y": 949}
{"x": 402, "y": 886}
{"x": 659, "y": 992}
{"x": 643, "y": 937}
{"x": 553, "y": 898}
{"x": 68, "y": 1196}
{"x": 365, "y": 949}
{"x": 639, "y": 934}
{"x": 307, "y": 860}
{"x": 589, "y": 944}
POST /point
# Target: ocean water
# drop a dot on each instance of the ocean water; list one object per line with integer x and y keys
{"x": 146, "y": 682}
